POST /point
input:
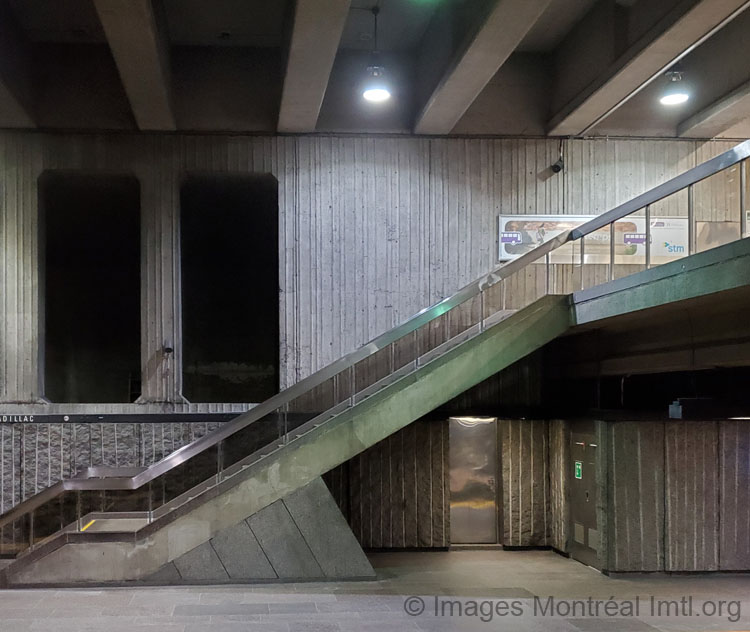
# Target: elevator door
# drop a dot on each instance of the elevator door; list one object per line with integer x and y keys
{"x": 473, "y": 471}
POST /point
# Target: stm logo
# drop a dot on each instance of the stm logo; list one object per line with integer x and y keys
{"x": 673, "y": 247}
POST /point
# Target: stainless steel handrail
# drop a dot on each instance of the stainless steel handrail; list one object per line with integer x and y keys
{"x": 113, "y": 480}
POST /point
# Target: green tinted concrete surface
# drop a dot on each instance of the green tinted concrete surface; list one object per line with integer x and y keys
{"x": 465, "y": 582}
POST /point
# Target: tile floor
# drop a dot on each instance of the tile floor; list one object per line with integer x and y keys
{"x": 461, "y": 590}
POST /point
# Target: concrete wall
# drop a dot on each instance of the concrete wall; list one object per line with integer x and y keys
{"x": 34, "y": 456}
{"x": 678, "y": 498}
{"x": 635, "y": 491}
{"x": 524, "y": 455}
{"x": 371, "y": 229}
{"x": 734, "y": 476}
{"x": 396, "y": 494}
{"x": 559, "y": 484}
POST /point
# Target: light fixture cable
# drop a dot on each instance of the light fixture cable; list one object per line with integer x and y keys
{"x": 376, "y": 89}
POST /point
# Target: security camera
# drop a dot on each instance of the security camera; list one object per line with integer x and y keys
{"x": 558, "y": 166}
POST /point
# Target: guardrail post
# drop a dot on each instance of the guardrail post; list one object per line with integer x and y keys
{"x": 481, "y": 311}
{"x": 743, "y": 200}
{"x": 583, "y": 259}
{"x": 648, "y": 236}
{"x": 219, "y": 461}
{"x": 612, "y": 251}
{"x": 78, "y": 510}
{"x": 691, "y": 220}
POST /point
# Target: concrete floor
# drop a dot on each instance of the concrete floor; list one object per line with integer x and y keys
{"x": 482, "y": 582}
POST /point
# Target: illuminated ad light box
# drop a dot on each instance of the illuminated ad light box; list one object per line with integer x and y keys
{"x": 519, "y": 234}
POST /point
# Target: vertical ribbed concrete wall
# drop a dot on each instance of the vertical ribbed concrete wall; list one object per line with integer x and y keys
{"x": 371, "y": 229}
{"x": 678, "y": 496}
{"x": 734, "y": 487}
{"x": 636, "y": 496}
{"x": 396, "y": 494}
{"x": 35, "y": 456}
{"x": 691, "y": 484}
{"x": 524, "y": 454}
{"x": 559, "y": 484}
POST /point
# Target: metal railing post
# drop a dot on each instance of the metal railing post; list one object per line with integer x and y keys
{"x": 743, "y": 199}
{"x": 547, "y": 273}
{"x": 219, "y": 461}
{"x": 648, "y": 236}
{"x": 481, "y": 311}
{"x": 612, "y": 251}
{"x": 691, "y": 220}
{"x": 583, "y": 258}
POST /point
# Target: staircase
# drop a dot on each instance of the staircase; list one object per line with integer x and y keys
{"x": 246, "y": 502}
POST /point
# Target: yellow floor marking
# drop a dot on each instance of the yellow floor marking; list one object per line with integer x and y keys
{"x": 88, "y": 525}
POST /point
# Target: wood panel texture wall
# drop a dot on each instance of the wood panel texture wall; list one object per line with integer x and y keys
{"x": 371, "y": 229}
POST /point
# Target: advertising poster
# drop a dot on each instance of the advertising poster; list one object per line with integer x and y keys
{"x": 519, "y": 234}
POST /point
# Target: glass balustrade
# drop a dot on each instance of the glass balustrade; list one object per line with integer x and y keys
{"x": 708, "y": 209}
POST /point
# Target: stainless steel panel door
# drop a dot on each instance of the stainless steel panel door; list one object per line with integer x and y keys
{"x": 584, "y": 544}
{"x": 473, "y": 471}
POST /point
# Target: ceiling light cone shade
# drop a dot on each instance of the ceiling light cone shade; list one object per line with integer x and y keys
{"x": 375, "y": 89}
{"x": 675, "y": 94}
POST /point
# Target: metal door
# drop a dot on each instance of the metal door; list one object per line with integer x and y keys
{"x": 473, "y": 472}
{"x": 584, "y": 532}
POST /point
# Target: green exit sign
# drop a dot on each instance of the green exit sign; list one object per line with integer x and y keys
{"x": 579, "y": 469}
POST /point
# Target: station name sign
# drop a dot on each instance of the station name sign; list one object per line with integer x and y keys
{"x": 97, "y": 418}
{"x": 16, "y": 419}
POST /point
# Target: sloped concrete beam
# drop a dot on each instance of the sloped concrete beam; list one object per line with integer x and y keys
{"x": 318, "y": 25}
{"x": 477, "y": 63}
{"x": 141, "y": 53}
{"x": 718, "y": 117}
{"x": 681, "y": 31}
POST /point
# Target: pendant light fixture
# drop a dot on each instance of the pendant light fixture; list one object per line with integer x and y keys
{"x": 675, "y": 94}
{"x": 375, "y": 87}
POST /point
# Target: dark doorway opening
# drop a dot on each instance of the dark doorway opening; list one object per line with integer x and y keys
{"x": 91, "y": 274}
{"x": 230, "y": 288}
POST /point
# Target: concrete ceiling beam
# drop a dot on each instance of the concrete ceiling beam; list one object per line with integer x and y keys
{"x": 685, "y": 28}
{"x": 15, "y": 74}
{"x": 317, "y": 29}
{"x": 718, "y": 117}
{"x": 477, "y": 62}
{"x": 141, "y": 52}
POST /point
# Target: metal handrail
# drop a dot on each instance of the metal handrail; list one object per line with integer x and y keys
{"x": 123, "y": 478}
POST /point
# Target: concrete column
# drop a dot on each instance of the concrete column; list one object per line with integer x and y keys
{"x": 21, "y": 299}
{"x": 161, "y": 326}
